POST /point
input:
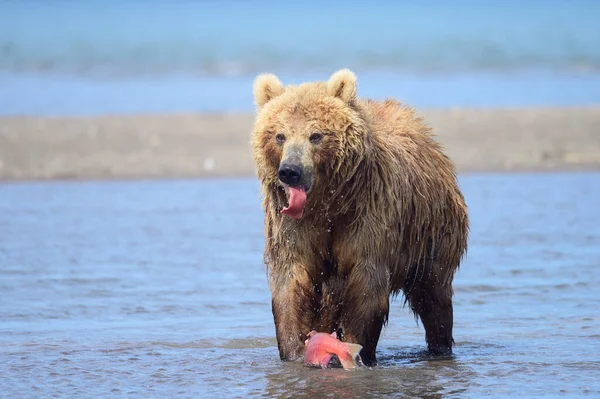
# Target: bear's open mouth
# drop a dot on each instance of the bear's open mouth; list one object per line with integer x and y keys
{"x": 296, "y": 201}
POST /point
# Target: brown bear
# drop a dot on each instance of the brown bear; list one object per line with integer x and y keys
{"x": 360, "y": 204}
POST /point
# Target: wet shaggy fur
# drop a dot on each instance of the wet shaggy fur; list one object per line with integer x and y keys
{"x": 384, "y": 215}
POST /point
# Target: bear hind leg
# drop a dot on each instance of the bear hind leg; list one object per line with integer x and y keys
{"x": 433, "y": 304}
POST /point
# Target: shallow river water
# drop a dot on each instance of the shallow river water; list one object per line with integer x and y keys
{"x": 157, "y": 289}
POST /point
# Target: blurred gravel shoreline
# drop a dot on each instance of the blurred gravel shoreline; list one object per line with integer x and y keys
{"x": 162, "y": 146}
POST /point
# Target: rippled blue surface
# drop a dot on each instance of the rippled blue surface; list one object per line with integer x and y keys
{"x": 113, "y": 56}
{"x": 229, "y": 37}
{"x": 157, "y": 288}
{"x": 33, "y": 94}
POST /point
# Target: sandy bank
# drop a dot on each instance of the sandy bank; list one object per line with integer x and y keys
{"x": 198, "y": 145}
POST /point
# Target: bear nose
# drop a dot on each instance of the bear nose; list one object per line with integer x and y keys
{"x": 290, "y": 174}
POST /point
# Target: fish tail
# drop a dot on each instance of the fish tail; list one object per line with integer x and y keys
{"x": 349, "y": 361}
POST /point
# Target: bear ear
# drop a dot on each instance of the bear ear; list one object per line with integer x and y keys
{"x": 266, "y": 87}
{"x": 342, "y": 84}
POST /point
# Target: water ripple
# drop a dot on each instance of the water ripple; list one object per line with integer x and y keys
{"x": 157, "y": 289}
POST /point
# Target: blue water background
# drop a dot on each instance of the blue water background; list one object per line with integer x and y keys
{"x": 134, "y": 56}
{"x": 158, "y": 289}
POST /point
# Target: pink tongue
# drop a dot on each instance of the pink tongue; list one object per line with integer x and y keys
{"x": 297, "y": 201}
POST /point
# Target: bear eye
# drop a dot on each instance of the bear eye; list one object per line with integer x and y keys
{"x": 280, "y": 138}
{"x": 315, "y": 138}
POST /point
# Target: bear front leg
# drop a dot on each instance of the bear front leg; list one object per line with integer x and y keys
{"x": 294, "y": 301}
{"x": 365, "y": 309}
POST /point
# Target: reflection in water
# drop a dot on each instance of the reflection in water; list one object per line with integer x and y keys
{"x": 158, "y": 288}
{"x": 422, "y": 378}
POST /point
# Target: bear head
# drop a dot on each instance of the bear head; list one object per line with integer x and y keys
{"x": 306, "y": 137}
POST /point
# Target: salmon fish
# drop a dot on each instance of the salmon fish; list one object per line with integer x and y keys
{"x": 321, "y": 347}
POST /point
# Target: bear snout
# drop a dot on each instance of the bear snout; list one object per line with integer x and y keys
{"x": 290, "y": 174}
